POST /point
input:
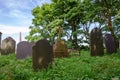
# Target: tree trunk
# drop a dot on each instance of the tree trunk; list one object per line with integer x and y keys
{"x": 109, "y": 22}
{"x": 74, "y": 39}
{"x": 116, "y": 40}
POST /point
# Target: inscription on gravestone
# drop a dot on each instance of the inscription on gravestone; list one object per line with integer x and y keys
{"x": 8, "y": 46}
{"x": 42, "y": 54}
{"x": 24, "y": 50}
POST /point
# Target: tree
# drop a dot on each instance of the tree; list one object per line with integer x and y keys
{"x": 42, "y": 17}
{"x": 70, "y": 11}
{"x": 116, "y": 24}
{"x": 75, "y": 17}
{"x": 108, "y": 9}
{"x": 59, "y": 13}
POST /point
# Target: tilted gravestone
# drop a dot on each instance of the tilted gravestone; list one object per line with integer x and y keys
{"x": 42, "y": 54}
{"x": 96, "y": 42}
{"x": 60, "y": 48}
{"x": 24, "y": 50}
{"x": 110, "y": 44}
{"x": 8, "y": 46}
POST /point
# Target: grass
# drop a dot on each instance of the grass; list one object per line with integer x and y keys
{"x": 83, "y": 67}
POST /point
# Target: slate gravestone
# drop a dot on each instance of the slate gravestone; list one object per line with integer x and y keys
{"x": 110, "y": 44}
{"x": 8, "y": 46}
{"x": 60, "y": 48}
{"x": 96, "y": 42}
{"x": 0, "y": 41}
{"x": 24, "y": 50}
{"x": 42, "y": 54}
{"x": 119, "y": 43}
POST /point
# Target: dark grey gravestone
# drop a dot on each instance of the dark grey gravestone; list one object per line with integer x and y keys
{"x": 24, "y": 50}
{"x": 110, "y": 44}
{"x": 42, "y": 54}
{"x": 96, "y": 42}
{"x": 119, "y": 43}
{"x": 8, "y": 46}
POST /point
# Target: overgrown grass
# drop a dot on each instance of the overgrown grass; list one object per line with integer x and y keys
{"x": 83, "y": 67}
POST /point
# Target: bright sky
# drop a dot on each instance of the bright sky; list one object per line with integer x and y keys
{"x": 16, "y": 17}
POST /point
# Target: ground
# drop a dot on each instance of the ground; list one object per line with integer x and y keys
{"x": 83, "y": 67}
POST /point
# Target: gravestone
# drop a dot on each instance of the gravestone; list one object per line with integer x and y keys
{"x": 8, "y": 46}
{"x": 42, "y": 54}
{"x": 110, "y": 44}
{"x": 24, "y": 50}
{"x": 60, "y": 48}
{"x": 96, "y": 42}
{"x": 0, "y": 41}
{"x": 119, "y": 43}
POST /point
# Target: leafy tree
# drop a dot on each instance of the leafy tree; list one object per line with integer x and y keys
{"x": 108, "y": 9}
{"x": 116, "y": 24}
{"x": 76, "y": 18}
{"x": 42, "y": 17}
{"x": 70, "y": 11}
{"x": 59, "y": 13}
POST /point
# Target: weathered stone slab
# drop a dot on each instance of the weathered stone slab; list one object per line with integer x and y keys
{"x": 8, "y": 46}
{"x": 60, "y": 49}
{"x": 96, "y": 42}
{"x": 0, "y": 41}
{"x": 110, "y": 44}
{"x": 42, "y": 54}
{"x": 24, "y": 50}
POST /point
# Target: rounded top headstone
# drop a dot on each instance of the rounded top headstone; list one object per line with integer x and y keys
{"x": 24, "y": 49}
{"x": 42, "y": 54}
{"x": 8, "y": 46}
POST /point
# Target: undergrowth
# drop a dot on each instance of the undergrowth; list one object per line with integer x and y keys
{"x": 83, "y": 67}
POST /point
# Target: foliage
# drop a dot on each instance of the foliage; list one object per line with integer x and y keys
{"x": 42, "y": 17}
{"x": 76, "y": 17}
{"x": 48, "y": 17}
{"x": 108, "y": 9}
{"x": 81, "y": 67}
{"x": 117, "y": 24}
